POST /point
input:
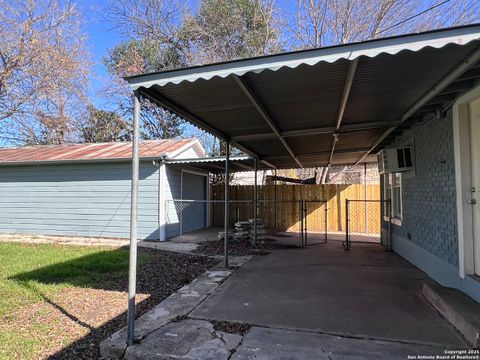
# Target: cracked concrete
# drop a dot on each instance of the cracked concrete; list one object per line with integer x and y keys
{"x": 302, "y": 308}
{"x": 176, "y": 305}
{"x": 186, "y": 339}
{"x": 366, "y": 292}
{"x": 231, "y": 340}
{"x": 269, "y": 344}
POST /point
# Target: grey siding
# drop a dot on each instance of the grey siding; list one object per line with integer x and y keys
{"x": 429, "y": 199}
{"x": 77, "y": 199}
{"x": 172, "y": 191}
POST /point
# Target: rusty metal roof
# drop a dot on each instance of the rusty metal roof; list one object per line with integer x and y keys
{"x": 151, "y": 149}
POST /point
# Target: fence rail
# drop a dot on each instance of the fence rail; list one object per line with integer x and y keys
{"x": 283, "y": 214}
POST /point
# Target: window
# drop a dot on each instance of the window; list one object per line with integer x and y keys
{"x": 397, "y": 196}
{"x": 392, "y": 190}
{"x": 387, "y": 192}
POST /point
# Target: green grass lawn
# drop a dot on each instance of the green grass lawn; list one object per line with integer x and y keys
{"x": 60, "y": 301}
{"x": 30, "y": 272}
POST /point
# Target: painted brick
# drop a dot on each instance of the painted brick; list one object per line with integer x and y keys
{"x": 429, "y": 199}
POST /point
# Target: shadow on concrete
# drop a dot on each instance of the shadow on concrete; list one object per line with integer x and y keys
{"x": 366, "y": 293}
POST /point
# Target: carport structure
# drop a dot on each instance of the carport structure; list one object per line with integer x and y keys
{"x": 320, "y": 107}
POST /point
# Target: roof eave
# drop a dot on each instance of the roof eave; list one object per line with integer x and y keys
{"x": 76, "y": 161}
{"x": 371, "y": 48}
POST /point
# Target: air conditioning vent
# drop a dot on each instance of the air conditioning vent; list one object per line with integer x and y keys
{"x": 395, "y": 160}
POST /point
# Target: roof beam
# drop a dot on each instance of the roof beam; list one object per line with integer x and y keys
{"x": 248, "y": 91}
{"x": 176, "y": 109}
{"x": 317, "y": 131}
{"x": 352, "y": 67}
{"x": 439, "y": 88}
{"x": 321, "y": 153}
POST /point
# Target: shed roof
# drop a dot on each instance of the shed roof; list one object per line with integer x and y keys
{"x": 333, "y": 105}
{"x": 115, "y": 151}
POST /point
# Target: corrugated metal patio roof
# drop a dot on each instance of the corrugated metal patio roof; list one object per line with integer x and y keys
{"x": 216, "y": 164}
{"x": 154, "y": 149}
{"x": 334, "y": 105}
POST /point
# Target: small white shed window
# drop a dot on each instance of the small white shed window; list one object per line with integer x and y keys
{"x": 392, "y": 190}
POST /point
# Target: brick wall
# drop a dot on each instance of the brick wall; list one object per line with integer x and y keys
{"x": 429, "y": 203}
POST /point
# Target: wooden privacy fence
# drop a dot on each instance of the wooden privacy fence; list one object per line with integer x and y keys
{"x": 284, "y": 215}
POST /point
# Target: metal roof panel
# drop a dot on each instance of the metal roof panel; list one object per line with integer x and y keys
{"x": 89, "y": 152}
{"x": 302, "y": 94}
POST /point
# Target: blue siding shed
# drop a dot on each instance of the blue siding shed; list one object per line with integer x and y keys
{"x": 84, "y": 189}
{"x": 90, "y": 199}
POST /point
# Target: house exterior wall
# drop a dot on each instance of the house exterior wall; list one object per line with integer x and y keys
{"x": 427, "y": 236}
{"x": 78, "y": 200}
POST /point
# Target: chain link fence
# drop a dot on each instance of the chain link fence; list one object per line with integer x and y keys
{"x": 364, "y": 221}
{"x": 316, "y": 222}
{"x": 281, "y": 219}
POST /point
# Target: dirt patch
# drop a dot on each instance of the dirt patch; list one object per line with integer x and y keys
{"x": 231, "y": 327}
{"x": 240, "y": 247}
{"x": 71, "y": 324}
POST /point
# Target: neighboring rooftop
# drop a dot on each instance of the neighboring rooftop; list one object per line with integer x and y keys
{"x": 92, "y": 152}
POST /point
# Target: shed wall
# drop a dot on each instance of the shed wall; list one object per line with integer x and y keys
{"x": 77, "y": 200}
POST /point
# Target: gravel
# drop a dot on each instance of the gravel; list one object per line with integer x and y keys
{"x": 240, "y": 247}
{"x": 231, "y": 327}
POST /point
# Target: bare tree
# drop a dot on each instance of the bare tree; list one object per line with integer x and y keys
{"x": 157, "y": 23}
{"x": 164, "y": 35}
{"x": 328, "y": 22}
{"x": 43, "y": 68}
{"x": 231, "y": 29}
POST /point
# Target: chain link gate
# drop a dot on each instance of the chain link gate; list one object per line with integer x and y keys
{"x": 363, "y": 222}
{"x": 315, "y": 222}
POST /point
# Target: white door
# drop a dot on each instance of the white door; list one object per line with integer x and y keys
{"x": 194, "y": 215}
{"x": 475, "y": 196}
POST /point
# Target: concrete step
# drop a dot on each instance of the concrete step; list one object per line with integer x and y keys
{"x": 459, "y": 309}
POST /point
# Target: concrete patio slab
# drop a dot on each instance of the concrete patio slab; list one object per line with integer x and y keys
{"x": 270, "y": 344}
{"x": 365, "y": 293}
{"x": 184, "y": 248}
{"x": 197, "y": 236}
{"x": 176, "y": 305}
{"x": 187, "y": 339}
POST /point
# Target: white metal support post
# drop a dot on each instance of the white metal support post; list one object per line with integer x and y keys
{"x": 132, "y": 267}
{"x": 255, "y": 202}
{"x": 275, "y": 199}
{"x": 365, "y": 195}
{"x": 227, "y": 200}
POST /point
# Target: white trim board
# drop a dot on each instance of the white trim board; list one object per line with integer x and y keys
{"x": 439, "y": 270}
{"x": 162, "y": 213}
{"x": 461, "y": 140}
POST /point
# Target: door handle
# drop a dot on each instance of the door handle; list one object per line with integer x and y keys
{"x": 472, "y": 201}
